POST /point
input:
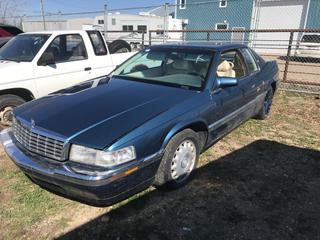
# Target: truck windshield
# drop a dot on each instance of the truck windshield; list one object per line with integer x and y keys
{"x": 187, "y": 68}
{"x": 23, "y": 48}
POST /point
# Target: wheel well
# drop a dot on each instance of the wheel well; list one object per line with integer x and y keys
{"x": 21, "y": 92}
{"x": 202, "y": 131}
{"x": 274, "y": 86}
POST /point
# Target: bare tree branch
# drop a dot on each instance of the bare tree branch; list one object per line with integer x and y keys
{"x": 9, "y": 9}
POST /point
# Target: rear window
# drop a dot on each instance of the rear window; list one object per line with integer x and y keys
{"x": 9, "y": 31}
{"x": 249, "y": 59}
{"x": 97, "y": 43}
{"x": 311, "y": 38}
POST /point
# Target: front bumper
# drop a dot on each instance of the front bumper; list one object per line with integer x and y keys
{"x": 99, "y": 188}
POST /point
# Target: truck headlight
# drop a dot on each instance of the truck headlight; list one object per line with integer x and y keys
{"x": 95, "y": 157}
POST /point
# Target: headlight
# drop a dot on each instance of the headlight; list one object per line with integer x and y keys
{"x": 94, "y": 157}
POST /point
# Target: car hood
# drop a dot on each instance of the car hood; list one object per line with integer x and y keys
{"x": 96, "y": 115}
{"x": 11, "y": 71}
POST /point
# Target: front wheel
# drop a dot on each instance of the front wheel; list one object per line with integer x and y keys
{"x": 7, "y": 103}
{"x": 267, "y": 103}
{"x": 179, "y": 160}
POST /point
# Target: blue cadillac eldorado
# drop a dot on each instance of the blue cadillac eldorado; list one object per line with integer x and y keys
{"x": 144, "y": 124}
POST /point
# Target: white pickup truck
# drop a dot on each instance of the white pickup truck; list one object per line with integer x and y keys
{"x": 36, "y": 64}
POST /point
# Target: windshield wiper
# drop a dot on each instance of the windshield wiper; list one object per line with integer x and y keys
{"x": 10, "y": 59}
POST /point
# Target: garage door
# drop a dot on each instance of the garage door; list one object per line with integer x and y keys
{"x": 279, "y": 14}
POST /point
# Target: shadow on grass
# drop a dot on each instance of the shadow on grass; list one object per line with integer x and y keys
{"x": 265, "y": 190}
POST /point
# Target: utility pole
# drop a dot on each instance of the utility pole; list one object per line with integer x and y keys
{"x": 165, "y": 22}
{"x": 42, "y": 13}
{"x": 105, "y": 22}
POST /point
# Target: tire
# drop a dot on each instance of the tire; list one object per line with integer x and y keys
{"x": 7, "y": 103}
{"x": 266, "y": 106}
{"x": 171, "y": 164}
{"x": 119, "y": 46}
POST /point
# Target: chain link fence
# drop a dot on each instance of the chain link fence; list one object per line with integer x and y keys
{"x": 298, "y": 56}
{"x": 287, "y": 31}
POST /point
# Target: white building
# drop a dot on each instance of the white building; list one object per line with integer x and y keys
{"x": 129, "y": 26}
{"x": 70, "y": 24}
{"x": 143, "y": 22}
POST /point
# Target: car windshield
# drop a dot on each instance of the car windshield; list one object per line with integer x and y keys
{"x": 185, "y": 68}
{"x": 23, "y": 48}
{"x": 311, "y": 38}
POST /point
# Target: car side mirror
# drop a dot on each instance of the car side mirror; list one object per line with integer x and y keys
{"x": 225, "y": 82}
{"x": 47, "y": 58}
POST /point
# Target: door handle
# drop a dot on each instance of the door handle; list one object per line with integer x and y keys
{"x": 88, "y": 69}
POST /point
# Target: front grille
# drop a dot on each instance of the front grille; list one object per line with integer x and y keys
{"x": 36, "y": 143}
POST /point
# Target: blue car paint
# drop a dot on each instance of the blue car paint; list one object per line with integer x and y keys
{"x": 117, "y": 113}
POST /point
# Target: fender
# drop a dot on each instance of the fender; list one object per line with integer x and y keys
{"x": 179, "y": 127}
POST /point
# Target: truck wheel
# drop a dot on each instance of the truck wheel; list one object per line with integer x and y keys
{"x": 119, "y": 46}
{"x": 267, "y": 103}
{"x": 7, "y": 103}
{"x": 179, "y": 160}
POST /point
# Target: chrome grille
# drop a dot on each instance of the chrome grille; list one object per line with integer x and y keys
{"x": 36, "y": 143}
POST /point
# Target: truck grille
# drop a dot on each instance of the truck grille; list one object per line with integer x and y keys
{"x": 36, "y": 143}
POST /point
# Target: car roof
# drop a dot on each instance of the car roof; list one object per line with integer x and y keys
{"x": 6, "y": 25}
{"x": 56, "y": 32}
{"x": 216, "y": 46}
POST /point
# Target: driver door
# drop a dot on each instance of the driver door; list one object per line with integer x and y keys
{"x": 71, "y": 66}
{"x": 227, "y": 102}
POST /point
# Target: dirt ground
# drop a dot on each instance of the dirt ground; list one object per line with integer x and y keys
{"x": 260, "y": 182}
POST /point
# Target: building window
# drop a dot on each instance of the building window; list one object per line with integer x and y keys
{"x": 100, "y": 21}
{"x": 142, "y": 28}
{"x": 222, "y": 26}
{"x": 113, "y": 21}
{"x": 127, "y": 28}
{"x": 223, "y": 3}
{"x": 183, "y": 4}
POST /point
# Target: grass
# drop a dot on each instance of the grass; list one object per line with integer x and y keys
{"x": 26, "y": 204}
{"x": 27, "y": 211}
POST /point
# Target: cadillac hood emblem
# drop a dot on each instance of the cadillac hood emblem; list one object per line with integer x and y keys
{"x": 33, "y": 123}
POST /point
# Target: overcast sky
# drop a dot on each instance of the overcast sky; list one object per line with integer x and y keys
{"x": 54, "y": 6}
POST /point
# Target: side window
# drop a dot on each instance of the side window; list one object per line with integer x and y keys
{"x": 127, "y": 28}
{"x": 67, "y": 48}
{"x": 223, "y": 3}
{"x": 142, "y": 28}
{"x": 222, "y": 26}
{"x": 250, "y": 61}
{"x": 98, "y": 45}
{"x": 182, "y": 4}
{"x": 231, "y": 65}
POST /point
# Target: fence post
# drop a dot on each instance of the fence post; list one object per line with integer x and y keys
{"x": 208, "y": 36}
{"x": 286, "y": 67}
{"x": 150, "y": 37}
{"x": 143, "y": 39}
